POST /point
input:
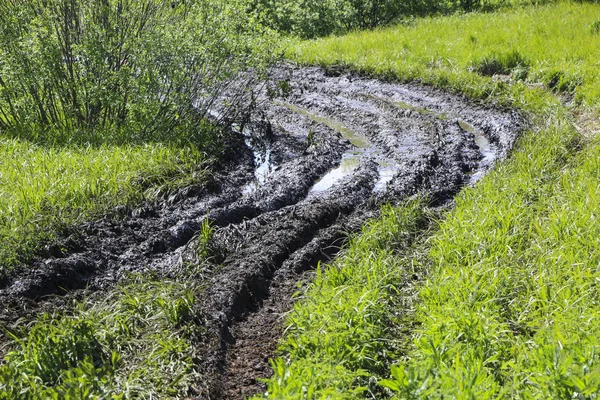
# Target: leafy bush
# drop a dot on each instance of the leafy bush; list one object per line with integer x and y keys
{"x": 121, "y": 71}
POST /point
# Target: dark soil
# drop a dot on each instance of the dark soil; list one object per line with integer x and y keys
{"x": 311, "y": 167}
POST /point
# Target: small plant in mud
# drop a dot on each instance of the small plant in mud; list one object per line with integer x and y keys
{"x": 310, "y": 140}
{"x": 282, "y": 88}
{"x": 205, "y": 254}
{"x": 205, "y": 248}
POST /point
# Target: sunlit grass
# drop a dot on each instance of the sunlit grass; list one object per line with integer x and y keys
{"x": 44, "y": 190}
{"x": 512, "y": 306}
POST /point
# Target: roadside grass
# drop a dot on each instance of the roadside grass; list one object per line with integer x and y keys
{"x": 509, "y": 307}
{"x": 45, "y": 190}
{"x": 137, "y": 342}
{"x": 339, "y": 334}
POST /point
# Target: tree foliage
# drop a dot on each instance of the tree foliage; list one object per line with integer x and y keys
{"x": 121, "y": 70}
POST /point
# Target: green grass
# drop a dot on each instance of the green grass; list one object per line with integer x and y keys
{"x": 137, "y": 342}
{"x": 337, "y": 334}
{"x": 509, "y": 308}
{"x": 45, "y": 190}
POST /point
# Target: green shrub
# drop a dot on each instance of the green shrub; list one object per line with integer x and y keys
{"x": 314, "y": 18}
{"x": 120, "y": 70}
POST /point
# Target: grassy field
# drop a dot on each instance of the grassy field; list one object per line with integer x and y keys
{"x": 509, "y": 308}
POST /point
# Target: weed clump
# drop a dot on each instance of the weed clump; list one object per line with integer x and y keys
{"x": 595, "y": 28}
{"x": 511, "y": 63}
{"x": 563, "y": 82}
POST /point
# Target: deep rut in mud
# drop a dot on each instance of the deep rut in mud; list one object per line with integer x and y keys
{"x": 315, "y": 165}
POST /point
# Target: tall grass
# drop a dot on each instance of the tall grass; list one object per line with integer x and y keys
{"x": 510, "y": 309}
{"x": 44, "y": 191}
{"x": 137, "y": 342}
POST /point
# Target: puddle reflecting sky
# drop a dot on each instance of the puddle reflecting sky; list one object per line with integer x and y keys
{"x": 350, "y": 161}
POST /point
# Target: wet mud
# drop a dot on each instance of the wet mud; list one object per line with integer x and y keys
{"x": 313, "y": 164}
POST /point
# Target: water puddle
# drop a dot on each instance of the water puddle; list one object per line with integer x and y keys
{"x": 423, "y": 111}
{"x": 262, "y": 162}
{"x": 356, "y": 139}
{"x": 481, "y": 141}
{"x": 387, "y": 171}
{"x": 350, "y": 161}
{"x": 485, "y": 148}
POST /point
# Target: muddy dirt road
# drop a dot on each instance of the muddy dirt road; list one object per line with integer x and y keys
{"x": 314, "y": 164}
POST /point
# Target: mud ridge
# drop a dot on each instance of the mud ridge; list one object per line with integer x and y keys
{"x": 316, "y": 162}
